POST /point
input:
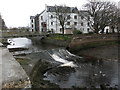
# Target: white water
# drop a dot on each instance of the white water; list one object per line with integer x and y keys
{"x": 19, "y": 43}
{"x": 65, "y": 62}
{"x": 72, "y": 54}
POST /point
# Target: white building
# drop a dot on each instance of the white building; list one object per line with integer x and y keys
{"x": 46, "y": 21}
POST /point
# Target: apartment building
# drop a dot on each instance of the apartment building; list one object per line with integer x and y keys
{"x": 47, "y": 22}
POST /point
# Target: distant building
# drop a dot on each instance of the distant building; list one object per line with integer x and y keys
{"x": 2, "y": 24}
{"x": 119, "y": 4}
{"x": 45, "y": 22}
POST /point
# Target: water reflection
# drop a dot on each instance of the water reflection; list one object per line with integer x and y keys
{"x": 88, "y": 75}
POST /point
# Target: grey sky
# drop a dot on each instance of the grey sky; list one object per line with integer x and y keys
{"x": 17, "y": 12}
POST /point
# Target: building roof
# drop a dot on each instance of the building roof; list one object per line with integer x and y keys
{"x": 32, "y": 17}
{"x": 69, "y": 9}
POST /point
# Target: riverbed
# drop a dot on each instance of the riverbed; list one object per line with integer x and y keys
{"x": 93, "y": 67}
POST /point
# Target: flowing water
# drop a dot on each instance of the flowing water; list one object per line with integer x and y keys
{"x": 71, "y": 70}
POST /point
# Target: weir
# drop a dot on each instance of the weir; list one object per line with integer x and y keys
{"x": 66, "y": 69}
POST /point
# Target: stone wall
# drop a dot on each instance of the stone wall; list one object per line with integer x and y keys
{"x": 79, "y": 41}
{"x": 13, "y": 75}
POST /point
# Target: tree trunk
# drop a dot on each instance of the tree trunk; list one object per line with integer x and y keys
{"x": 95, "y": 26}
{"x": 113, "y": 29}
{"x": 102, "y": 31}
{"x": 63, "y": 30}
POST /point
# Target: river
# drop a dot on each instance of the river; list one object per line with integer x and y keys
{"x": 69, "y": 70}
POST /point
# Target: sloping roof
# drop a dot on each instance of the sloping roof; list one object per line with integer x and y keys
{"x": 37, "y": 15}
{"x": 70, "y": 9}
{"x": 32, "y": 17}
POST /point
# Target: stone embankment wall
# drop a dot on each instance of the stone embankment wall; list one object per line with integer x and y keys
{"x": 13, "y": 75}
{"x": 81, "y": 41}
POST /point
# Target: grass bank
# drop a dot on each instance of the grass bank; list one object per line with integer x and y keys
{"x": 86, "y": 46}
{"x": 60, "y": 37}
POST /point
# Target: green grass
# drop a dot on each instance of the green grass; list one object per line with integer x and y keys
{"x": 61, "y": 37}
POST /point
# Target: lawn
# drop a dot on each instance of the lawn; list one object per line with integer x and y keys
{"x": 60, "y": 37}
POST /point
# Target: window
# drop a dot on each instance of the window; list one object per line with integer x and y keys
{"x": 32, "y": 20}
{"x": 88, "y": 29}
{"x": 60, "y": 29}
{"x": 75, "y": 17}
{"x": 82, "y": 17}
{"x": 75, "y": 23}
{"x": 41, "y": 17}
{"x": 88, "y": 18}
{"x": 32, "y": 25}
{"x": 51, "y": 16}
{"x": 52, "y": 30}
{"x": 51, "y": 23}
{"x": 81, "y": 23}
{"x": 42, "y": 29}
{"x": 32, "y": 30}
{"x": 68, "y": 17}
{"x": 88, "y": 24}
{"x": 68, "y": 23}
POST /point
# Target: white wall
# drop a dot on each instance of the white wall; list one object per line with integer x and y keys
{"x": 32, "y": 23}
{"x": 56, "y": 26}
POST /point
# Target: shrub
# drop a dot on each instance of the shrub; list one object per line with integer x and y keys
{"x": 77, "y": 32}
{"x": 91, "y": 33}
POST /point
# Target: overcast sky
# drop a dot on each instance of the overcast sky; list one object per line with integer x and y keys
{"x": 17, "y": 12}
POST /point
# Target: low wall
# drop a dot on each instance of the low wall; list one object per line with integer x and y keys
{"x": 83, "y": 41}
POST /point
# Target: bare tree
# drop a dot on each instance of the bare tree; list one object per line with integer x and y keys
{"x": 101, "y": 14}
{"x": 61, "y": 14}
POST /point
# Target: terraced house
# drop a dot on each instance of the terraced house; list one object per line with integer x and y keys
{"x": 47, "y": 21}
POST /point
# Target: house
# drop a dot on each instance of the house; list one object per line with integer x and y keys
{"x": 47, "y": 22}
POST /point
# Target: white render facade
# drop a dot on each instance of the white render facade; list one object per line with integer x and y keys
{"x": 47, "y": 22}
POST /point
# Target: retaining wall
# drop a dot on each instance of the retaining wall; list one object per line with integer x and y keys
{"x": 79, "y": 41}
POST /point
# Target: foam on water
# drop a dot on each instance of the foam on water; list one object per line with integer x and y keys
{"x": 65, "y": 62}
{"x": 19, "y": 43}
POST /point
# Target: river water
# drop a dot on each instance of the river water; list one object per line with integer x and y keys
{"x": 71, "y": 70}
